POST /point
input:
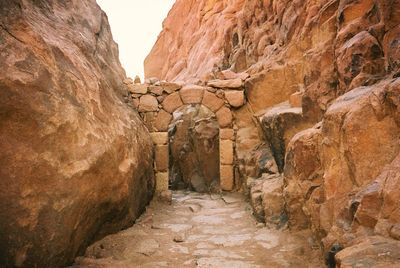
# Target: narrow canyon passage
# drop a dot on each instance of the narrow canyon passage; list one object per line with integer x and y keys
{"x": 282, "y": 117}
{"x": 202, "y": 230}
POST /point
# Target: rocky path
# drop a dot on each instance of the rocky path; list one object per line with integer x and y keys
{"x": 200, "y": 230}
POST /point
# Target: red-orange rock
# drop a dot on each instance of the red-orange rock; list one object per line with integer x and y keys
{"x": 228, "y": 74}
{"x": 226, "y": 152}
{"x": 76, "y": 162}
{"x": 172, "y": 102}
{"x": 227, "y": 177}
{"x": 148, "y": 103}
{"x": 296, "y": 99}
{"x": 224, "y": 116}
{"x": 161, "y": 158}
{"x": 375, "y": 250}
{"x": 137, "y": 88}
{"x": 235, "y": 98}
{"x": 194, "y": 150}
{"x": 212, "y": 102}
{"x": 163, "y": 120}
{"x": 226, "y": 134}
{"x": 343, "y": 57}
{"x": 170, "y": 87}
{"x": 157, "y": 90}
{"x": 230, "y": 83}
{"x": 192, "y": 94}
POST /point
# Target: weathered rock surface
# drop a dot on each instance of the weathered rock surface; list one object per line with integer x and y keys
{"x": 337, "y": 63}
{"x": 67, "y": 139}
{"x": 280, "y": 123}
{"x": 229, "y": 83}
{"x": 266, "y": 195}
{"x": 194, "y": 144}
{"x": 325, "y": 48}
{"x": 336, "y": 174}
{"x": 371, "y": 251}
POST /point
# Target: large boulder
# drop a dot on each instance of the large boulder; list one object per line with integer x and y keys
{"x": 341, "y": 177}
{"x": 75, "y": 162}
{"x": 280, "y": 123}
{"x": 303, "y": 178}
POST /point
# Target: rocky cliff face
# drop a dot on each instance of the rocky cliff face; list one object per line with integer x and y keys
{"x": 76, "y": 162}
{"x": 336, "y": 60}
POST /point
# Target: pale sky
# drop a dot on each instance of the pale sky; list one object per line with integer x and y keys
{"x": 135, "y": 25}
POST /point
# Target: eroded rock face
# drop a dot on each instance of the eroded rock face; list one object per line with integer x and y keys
{"x": 75, "y": 162}
{"x": 337, "y": 174}
{"x": 325, "y": 48}
{"x": 337, "y": 63}
{"x": 194, "y": 149}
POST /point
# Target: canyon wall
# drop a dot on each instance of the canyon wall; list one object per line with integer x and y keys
{"x": 76, "y": 162}
{"x": 322, "y": 90}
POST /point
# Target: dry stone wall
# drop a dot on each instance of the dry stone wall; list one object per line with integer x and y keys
{"x": 156, "y": 102}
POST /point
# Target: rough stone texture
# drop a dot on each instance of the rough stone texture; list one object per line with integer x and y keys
{"x": 170, "y": 87}
{"x": 235, "y": 98}
{"x": 258, "y": 161}
{"x": 280, "y": 123}
{"x": 343, "y": 56}
{"x": 303, "y": 178}
{"x": 157, "y": 90}
{"x": 149, "y": 119}
{"x": 212, "y": 102}
{"x": 194, "y": 143}
{"x": 272, "y": 200}
{"x": 226, "y": 152}
{"x": 172, "y": 102}
{"x": 371, "y": 251}
{"x": 323, "y": 47}
{"x": 137, "y": 80}
{"x": 231, "y": 83}
{"x": 137, "y": 88}
{"x": 162, "y": 183}
{"x": 224, "y": 116}
{"x": 161, "y": 158}
{"x": 159, "y": 138}
{"x": 67, "y": 139}
{"x": 226, "y": 134}
{"x": 192, "y": 94}
{"x": 266, "y": 196}
{"x": 163, "y": 120}
{"x": 296, "y": 99}
{"x": 148, "y": 103}
{"x": 228, "y": 74}
{"x": 227, "y": 177}
{"x": 336, "y": 173}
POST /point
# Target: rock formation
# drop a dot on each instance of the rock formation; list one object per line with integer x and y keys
{"x": 76, "y": 161}
{"x": 297, "y": 103}
{"x": 322, "y": 108}
{"x": 194, "y": 144}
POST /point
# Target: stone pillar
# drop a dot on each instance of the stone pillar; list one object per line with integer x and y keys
{"x": 226, "y": 152}
{"x": 161, "y": 161}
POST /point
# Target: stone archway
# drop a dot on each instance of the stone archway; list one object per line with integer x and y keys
{"x": 156, "y": 103}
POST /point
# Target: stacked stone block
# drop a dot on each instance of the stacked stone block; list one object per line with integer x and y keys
{"x": 227, "y": 157}
{"x": 156, "y": 101}
{"x": 161, "y": 162}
